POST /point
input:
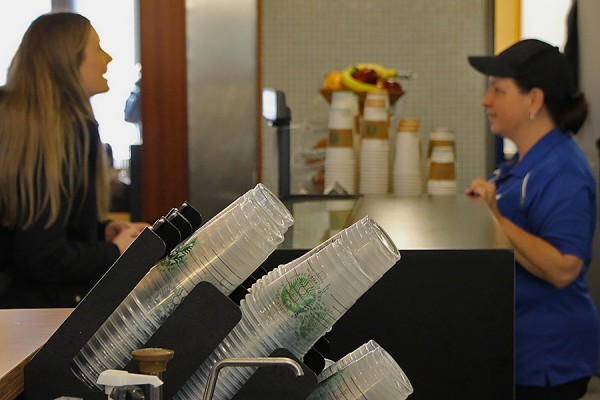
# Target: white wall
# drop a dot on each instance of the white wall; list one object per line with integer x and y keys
{"x": 589, "y": 32}
{"x": 304, "y": 39}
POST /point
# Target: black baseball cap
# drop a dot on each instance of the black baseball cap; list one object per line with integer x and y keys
{"x": 533, "y": 63}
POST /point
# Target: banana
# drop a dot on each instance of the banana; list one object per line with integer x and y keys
{"x": 354, "y": 84}
{"x": 383, "y": 72}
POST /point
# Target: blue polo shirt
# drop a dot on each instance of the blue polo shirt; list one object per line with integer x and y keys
{"x": 551, "y": 194}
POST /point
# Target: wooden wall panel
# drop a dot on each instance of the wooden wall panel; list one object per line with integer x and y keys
{"x": 507, "y": 23}
{"x": 164, "y": 182}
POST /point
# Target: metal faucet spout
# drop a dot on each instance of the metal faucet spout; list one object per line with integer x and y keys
{"x": 248, "y": 362}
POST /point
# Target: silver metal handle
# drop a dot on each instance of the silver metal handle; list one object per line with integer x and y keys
{"x": 247, "y": 362}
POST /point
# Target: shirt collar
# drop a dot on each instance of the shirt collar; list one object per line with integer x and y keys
{"x": 538, "y": 152}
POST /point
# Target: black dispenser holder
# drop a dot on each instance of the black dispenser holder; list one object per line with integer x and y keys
{"x": 193, "y": 330}
{"x": 276, "y": 112}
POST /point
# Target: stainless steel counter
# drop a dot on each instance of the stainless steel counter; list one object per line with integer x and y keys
{"x": 434, "y": 222}
{"x": 414, "y": 223}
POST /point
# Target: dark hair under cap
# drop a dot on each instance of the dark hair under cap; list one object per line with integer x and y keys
{"x": 532, "y": 63}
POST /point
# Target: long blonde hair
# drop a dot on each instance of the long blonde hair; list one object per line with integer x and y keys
{"x": 44, "y": 105}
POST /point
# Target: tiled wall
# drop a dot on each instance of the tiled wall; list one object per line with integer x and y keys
{"x": 304, "y": 39}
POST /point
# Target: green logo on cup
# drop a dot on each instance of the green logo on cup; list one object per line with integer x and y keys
{"x": 174, "y": 258}
{"x": 312, "y": 322}
{"x": 300, "y": 293}
{"x": 334, "y": 137}
{"x": 371, "y": 130}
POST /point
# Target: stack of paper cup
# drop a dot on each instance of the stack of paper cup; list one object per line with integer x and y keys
{"x": 377, "y": 106}
{"x": 347, "y": 100}
{"x": 375, "y": 144}
{"x": 294, "y": 308}
{"x": 406, "y": 173}
{"x": 340, "y": 160}
{"x": 224, "y": 252}
{"x": 369, "y": 372}
{"x": 442, "y": 172}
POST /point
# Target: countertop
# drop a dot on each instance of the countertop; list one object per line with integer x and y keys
{"x": 22, "y": 333}
{"x": 425, "y": 222}
{"x": 433, "y": 222}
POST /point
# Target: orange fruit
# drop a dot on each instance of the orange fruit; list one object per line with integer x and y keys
{"x": 333, "y": 81}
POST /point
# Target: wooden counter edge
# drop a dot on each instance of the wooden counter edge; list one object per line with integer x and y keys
{"x": 34, "y": 325}
{"x": 13, "y": 383}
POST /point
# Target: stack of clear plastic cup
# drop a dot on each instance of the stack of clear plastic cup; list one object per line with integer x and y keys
{"x": 369, "y": 372}
{"x": 348, "y": 359}
{"x": 294, "y": 310}
{"x": 367, "y": 241}
{"x": 224, "y": 252}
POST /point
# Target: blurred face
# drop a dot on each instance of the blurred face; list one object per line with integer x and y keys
{"x": 94, "y": 64}
{"x": 507, "y": 106}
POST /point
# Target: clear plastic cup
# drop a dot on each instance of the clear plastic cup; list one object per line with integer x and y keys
{"x": 366, "y": 240}
{"x": 224, "y": 252}
{"x": 369, "y": 372}
{"x": 271, "y": 206}
{"x": 293, "y": 310}
{"x": 348, "y": 359}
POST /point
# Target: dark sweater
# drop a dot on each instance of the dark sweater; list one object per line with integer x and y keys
{"x": 56, "y": 266}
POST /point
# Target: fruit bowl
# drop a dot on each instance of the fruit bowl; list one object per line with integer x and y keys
{"x": 393, "y": 94}
{"x": 364, "y": 78}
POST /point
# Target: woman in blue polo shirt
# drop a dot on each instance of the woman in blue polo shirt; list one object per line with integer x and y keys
{"x": 545, "y": 201}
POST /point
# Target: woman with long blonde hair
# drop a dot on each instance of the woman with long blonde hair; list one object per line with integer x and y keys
{"x": 53, "y": 173}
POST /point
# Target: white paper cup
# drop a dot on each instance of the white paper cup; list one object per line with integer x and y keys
{"x": 341, "y": 118}
{"x": 342, "y": 99}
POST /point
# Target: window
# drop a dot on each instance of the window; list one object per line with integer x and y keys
{"x": 540, "y": 21}
{"x": 14, "y": 20}
{"x": 115, "y": 22}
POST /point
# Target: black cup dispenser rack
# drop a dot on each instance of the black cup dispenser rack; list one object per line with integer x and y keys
{"x": 194, "y": 329}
